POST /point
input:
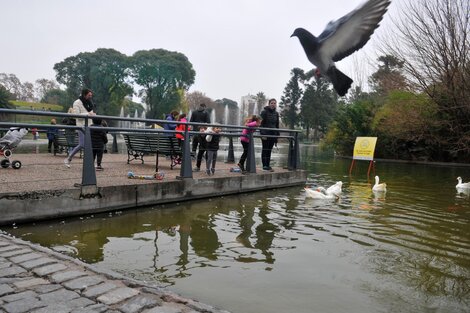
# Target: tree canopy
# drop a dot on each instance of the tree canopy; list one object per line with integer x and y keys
{"x": 105, "y": 71}
{"x": 163, "y": 75}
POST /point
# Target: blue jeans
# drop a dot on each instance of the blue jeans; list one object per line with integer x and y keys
{"x": 81, "y": 144}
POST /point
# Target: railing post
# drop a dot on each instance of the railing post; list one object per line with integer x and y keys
{"x": 186, "y": 170}
{"x": 250, "y": 160}
{"x": 230, "y": 155}
{"x": 290, "y": 155}
{"x": 296, "y": 151}
{"x": 88, "y": 169}
{"x": 114, "y": 148}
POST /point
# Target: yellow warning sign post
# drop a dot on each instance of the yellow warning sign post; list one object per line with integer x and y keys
{"x": 364, "y": 149}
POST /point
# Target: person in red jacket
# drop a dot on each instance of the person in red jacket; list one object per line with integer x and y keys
{"x": 181, "y": 128}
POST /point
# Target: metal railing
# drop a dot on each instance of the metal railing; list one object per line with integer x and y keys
{"x": 230, "y": 131}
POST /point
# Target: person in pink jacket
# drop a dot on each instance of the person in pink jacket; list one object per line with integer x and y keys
{"x": 253, "y": 121}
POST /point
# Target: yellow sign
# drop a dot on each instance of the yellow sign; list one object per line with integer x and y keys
{"x": 364, "y": 148}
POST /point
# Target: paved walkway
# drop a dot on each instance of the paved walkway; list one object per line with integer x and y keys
{"x": 44, "y": 171}
{"x": 37, "y": 279}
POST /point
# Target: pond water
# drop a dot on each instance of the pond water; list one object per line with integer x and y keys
{"x": 407, "y": 250}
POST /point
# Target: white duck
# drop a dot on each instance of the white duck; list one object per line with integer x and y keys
{"x": 379, "y": 187}
{"x": 335, "y": 189}
{"x": 319, "y": 193}
{"x": 461, "y": 185}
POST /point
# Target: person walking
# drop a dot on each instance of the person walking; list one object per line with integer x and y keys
{"x": 269, "y": 119}
{"x": 98, "y": 140}
{"x": 212, "y": 146}
{"x": 253, "y": 121}
{"x": 82, "y": 106}
{"x": 200, "y": 115}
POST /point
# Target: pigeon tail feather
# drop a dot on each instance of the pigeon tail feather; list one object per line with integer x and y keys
{"x": 341, "y": 82}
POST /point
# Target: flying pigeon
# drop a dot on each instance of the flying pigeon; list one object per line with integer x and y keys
{"x": 340, "y": 39}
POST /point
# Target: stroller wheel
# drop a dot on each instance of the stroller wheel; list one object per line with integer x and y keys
{"x": 5, "y": 163}
{"x": 16, "y": 164}
{"x": 7, "y": 153}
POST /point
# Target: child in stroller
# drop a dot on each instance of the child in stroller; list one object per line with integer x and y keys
{"x": 8, "y": 143}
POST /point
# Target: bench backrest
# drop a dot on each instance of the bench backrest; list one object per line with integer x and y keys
{"x": 61, "y": 139}
{"x": 151, "y": 143}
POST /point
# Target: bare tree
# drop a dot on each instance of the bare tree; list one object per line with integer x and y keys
{"x": 12, "y": 84}
{"x": 44, "y": 85}
{"x": 432, "y": 38}
{"x": 195, "y": 98}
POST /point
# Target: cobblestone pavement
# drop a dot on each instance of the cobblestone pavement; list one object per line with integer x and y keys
{"x": 37, "y": 279}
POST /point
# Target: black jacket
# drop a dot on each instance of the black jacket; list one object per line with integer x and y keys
{"x": 270, "y": 119}
{"x": 213, "y": 145}
{"x": 98, "y": 137}
{"x": 200, "y": 116}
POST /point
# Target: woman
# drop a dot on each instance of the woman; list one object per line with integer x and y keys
{"x": 83, "y": 106}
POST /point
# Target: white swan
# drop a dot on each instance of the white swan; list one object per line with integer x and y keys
{"x": 461, "y": 185}
{"x": 319, "y": 193}
{"x": 379, "y": 187}
{"x": 335, "y": 189}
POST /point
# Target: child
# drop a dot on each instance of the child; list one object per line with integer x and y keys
{"x": 253, "y": 121}
{"x": 180, "y": 128}
{"x": 202, "y": 146}
{"x": 211, "y": 149}
{"x": 98, "y": 140}
{"x": 52, "y": 137}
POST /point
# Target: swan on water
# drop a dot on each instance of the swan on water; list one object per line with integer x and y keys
{"x": 379, "y": 187}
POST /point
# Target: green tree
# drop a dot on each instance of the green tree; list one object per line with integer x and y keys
{"x": 105, "y": 71}
{"x": 5, "y": 98}
{"x": 261, "y": 101}
{"x": 389, "y": 76}
{"x": 58, "y": 96}
{"x": 290, "y": 100}
{"x": 407, "y": 126}
{"x": 353, "y": 120}
{"x": 162, "y": 74}
{"x": 317, "y": 107}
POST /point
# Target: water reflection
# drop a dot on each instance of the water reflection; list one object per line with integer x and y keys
{"x": 407, "y": 250}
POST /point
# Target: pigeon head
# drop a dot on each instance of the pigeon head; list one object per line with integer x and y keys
{"x": 307, "y": 40}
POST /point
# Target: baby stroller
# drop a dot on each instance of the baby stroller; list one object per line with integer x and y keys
{"x": 8, "y": 143}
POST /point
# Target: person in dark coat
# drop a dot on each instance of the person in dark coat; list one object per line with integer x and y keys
{"x": 270, "y": 119}
{"x": 199, "y": 116}
{"x": 98, "y": 140}
{"x": 172, "y": 117}
{"x": 52, "y": 134}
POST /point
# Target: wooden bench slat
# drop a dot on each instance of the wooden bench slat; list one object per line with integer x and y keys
{"x": 139, "y": 145}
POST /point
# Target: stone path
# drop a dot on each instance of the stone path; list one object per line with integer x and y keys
{"x": 37, "y": 279}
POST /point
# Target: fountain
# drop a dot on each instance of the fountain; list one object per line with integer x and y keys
{"x": 226, "y": 115}
{"x": 121, "y": 114}
{"x": 213, "y": 116}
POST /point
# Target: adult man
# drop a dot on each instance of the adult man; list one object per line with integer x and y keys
{"x": 270, "y": 119}
{"x": 200, "y": 115}
{"x": 83, "y": 106}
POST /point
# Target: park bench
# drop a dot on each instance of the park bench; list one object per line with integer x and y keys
{"x": 141, "y": 144}
{"x": 62, "y": 142}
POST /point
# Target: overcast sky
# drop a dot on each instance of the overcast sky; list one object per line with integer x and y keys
{"x": 236, "y": 47}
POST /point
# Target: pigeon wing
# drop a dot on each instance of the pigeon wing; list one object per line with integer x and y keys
{"x": 351, "y": 32}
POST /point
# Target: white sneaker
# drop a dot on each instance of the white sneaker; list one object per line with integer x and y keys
{"x": 67, "y": 162}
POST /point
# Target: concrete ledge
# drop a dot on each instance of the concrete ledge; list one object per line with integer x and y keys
{"x": 38, "y": 205}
